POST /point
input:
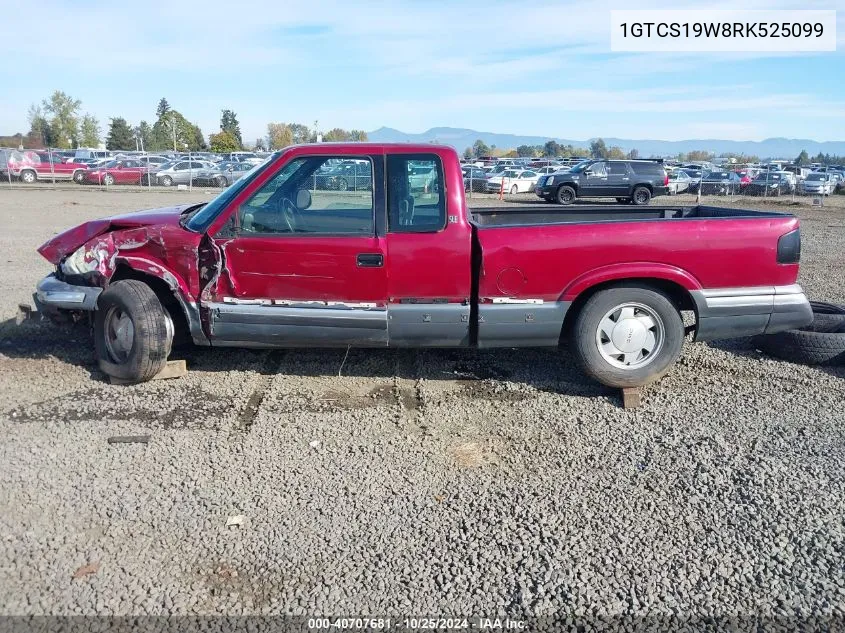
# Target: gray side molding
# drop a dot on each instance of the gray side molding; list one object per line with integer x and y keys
{"x": 521, "y": 324}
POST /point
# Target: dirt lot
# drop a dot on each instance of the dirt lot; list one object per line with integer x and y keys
{"x": 415, "y": 482}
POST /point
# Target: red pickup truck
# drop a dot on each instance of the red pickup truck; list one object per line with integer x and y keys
{"x": 277, "y": 260}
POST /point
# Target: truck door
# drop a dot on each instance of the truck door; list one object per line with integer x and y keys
{"x": 303, "y": 263}
{"x": 594, "y": 180}
{"x": 429, "y": 251}
{"x": 618, "y": 179}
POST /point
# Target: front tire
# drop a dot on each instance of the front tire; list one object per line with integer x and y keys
{"x": 565, "y": 195}
{"x": 641, "y": 196}
{"x": 133, "y": 333}
{"x": 108, "y": 180}
{"x": 167, "y": 181}
{"x": 79, "y": 176}
{"x": 514, "y": 190}
{"x": 627, "y": 336}
{"x": 221, "y": 182}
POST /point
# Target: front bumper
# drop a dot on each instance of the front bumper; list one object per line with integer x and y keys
{"x": 736, "y": 312}
{"x": 52, "y": 294}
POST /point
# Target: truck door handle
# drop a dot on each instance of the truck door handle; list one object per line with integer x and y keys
{"x": 370, "y": 260}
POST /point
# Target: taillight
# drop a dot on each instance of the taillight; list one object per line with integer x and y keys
{"x": 665, "y": 180}
{"x": 789, "y": 248}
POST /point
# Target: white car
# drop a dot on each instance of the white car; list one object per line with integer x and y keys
{"x": 819, "y": 184}
{"x": 679, "y": 181}
{"x": 515, "y": 181}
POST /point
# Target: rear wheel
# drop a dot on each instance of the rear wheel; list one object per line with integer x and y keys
{"x": 78, "y": 176}
{"x": 627, "y": 336}
{"x": 221, "y": 181}
{"x": 565, "y": 195}
{"x": 28, "y": 176}
{"x": 167, "y": 181}
{"x": 514, "y": 189}
{"x": 108, "y": 180}
{"x": 133, "y": 333}
{"x": 641, "y": 195}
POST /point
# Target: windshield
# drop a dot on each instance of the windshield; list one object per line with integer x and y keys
{"x": 511, "y": 173}
{"x": 110, "y": 164}
{"x": 767, "y": 177}
{"x": 816, "y": 177}
{"x": 580, "y": 167}
{"x": 202, "y": 219}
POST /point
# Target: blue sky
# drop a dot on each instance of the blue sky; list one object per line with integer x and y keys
{"x": 534, "y": 68}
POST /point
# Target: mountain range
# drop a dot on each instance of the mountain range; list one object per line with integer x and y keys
{"x": 461, "y": 138}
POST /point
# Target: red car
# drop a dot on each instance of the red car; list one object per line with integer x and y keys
{"x": 30, "y": 167}
{"x": 117, "y": 172}
{"x": 744, "y": 179}
{"x": 277, "y": 261}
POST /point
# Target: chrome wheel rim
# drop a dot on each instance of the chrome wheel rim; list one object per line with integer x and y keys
{"x": 28, "y": 176}
{"x": 566, "y": 195}
{"x": 641, "y": 196}
{"x": 630, "y": 336}
{"x": 119, "y": 334}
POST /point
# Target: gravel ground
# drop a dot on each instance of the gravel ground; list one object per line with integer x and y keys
{"x": 416, "y": 482}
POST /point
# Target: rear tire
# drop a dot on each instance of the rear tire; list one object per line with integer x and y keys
{"x": 641, "y": 196}
{"x": 514, "y": 190}
{"x": 28, "y": 176}
{"x": 133, "y": 333}
{"x": 79, "y": 176}
{"x": 167, "y": 181}
{"x": 108, "y": 180}
{"x": 627, "y": 336}
{"x": 565, "y": 195}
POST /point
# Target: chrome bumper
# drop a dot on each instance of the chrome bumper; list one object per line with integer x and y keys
{"x": 52, "y": 294}
{"x": 735, "y": 312}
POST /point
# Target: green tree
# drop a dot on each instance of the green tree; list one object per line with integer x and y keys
{"x": 468, "y": 154}
{"x": 279, "y": 135}
{"x": 598, "y": 149}
{"x": 64, "y": 118}
{"x": 525, "y": 150}
{"x": 803, "y": 158}
{"x": 335, "y": 135}
{"x": 615, "y": 153}
{"x": 89, "y": 131}
{"x": 40, "y": 134}
{"x": 551, "y": 148}
{"x": 480, "y": 148}
{"x": 699, "y": 155}
{"x": 229, "y": 123}
{"x": 634, "y": 154}
{"x": 260, "y": 145}
{"x": 358, "y": 136}
{"x": 198, "y": 144}
{"x": 163, "y": 108}
{"x": 120, "y": 135}
{"x": 301, "y": 134}
{"x": 224, "y": 142}
{"x": 145, "y": 135}
{"x": 173, "y": 131}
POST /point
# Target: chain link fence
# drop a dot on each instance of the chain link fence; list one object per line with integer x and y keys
{"x": 132, "y": 171}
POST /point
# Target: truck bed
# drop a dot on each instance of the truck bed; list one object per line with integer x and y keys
{"x": 550, "y": 214}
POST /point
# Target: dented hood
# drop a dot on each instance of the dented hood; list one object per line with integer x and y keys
{"x": 63, "y": 244}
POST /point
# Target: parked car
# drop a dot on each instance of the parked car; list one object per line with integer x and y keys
{"x": 817, "y": 183}
{"x": 719, "y": 183}
{"x": 769, "y": 183}
{"x": 180, "y": 172}
{"x": 475, "y": 179}
{"x": 634, "y": 181}
{"x": 745, "y": 178}
{"x": 126, "y": 171}
{"x": 30, "y": 167}
{"x": 93, "y": 153}
{"x": 421, "y": 176}
{"x": 269, "y": 263}
{"x": 346, "y": 175}
{"x": 679, "y": 181}
{"x": 153, "y": 160}
{"x": 513, "y": 181}
{"x": 222, "y": 175}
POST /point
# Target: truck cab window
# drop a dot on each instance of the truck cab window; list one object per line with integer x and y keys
{"x": 416, "y": 200}
{"x": 328, "y": 195}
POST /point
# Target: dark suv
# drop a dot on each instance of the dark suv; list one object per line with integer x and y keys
{"x": 634, "y": 181}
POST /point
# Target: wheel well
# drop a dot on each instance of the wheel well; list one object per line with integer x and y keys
{"x": 165, "y": 294}
{"x": 677, "y": 293}
{"x": 647, "y": 185}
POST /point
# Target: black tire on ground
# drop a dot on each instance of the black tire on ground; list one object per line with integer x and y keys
{"x": 28, "y": 176}
{"x": 108, "y": 180}
{"x": 641, "y": 195}
{"x": 820, "y": 343}
{"x": 79, "y": 176}
{"x": 167, "y": 181}
{"x": 668, "y": 330}
{"x": 565, "y": 195}
{"x": 342, "y": 185}
{"x": 514, "y": 190}
{"x": 221, "y": 182}
{"x": 152, "y": 331}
